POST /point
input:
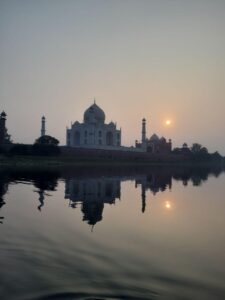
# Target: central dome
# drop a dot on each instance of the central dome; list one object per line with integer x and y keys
{"x": 94, "y": 114}
{"x": 154, "y": 138}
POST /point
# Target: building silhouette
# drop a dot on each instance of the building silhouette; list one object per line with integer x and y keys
{"x": 154, "y": 144}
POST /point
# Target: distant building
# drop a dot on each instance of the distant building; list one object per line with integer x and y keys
{"x": 94, "y": 132}
{"x": 154, "y": 144}
{"x": 4, "y": 136}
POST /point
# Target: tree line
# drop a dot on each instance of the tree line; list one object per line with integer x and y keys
{"x": 44, "y": 146}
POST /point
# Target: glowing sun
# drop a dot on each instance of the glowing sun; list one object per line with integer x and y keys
{"x": 168, "y": 205}
{"x": 168, "y": 122}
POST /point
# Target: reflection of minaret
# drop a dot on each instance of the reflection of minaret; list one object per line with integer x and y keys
{"x": 143, "y": 198}
{"x": 43, "y": 126}
{"x": 41, "y": 198}
{"x": 3, "y": 190}
{"x": 2, "y": 202}
{"x": 44, "y": 183}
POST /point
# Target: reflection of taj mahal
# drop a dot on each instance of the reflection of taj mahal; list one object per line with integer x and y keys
{"x": 104, "y": 190}
{"x": 92, "y": 194}
{"x": 96, "y": 134}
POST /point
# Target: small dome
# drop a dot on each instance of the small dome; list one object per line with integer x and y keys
{"x": 154, "y": 138}
{"x": 94, "y": 114}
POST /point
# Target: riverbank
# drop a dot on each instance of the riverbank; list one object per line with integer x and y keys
{"x": 58, "y": 162}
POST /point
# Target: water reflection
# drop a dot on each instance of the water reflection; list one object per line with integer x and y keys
{"x": 154, "y": 182}
{"x": 48, "y": 253}
{"x": 45, "y": 183}
{"x": 4, "y": 182}
{"x": 90, "y": 189}
{"x": 92, "y": 194}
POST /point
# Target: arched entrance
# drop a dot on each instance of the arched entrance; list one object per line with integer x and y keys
{"x": 77, "y": 138}
{"x": 109, "y": 138}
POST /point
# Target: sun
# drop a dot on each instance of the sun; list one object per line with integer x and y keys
{"x": 168, "y": 205}
{"x": 168, "y": 122}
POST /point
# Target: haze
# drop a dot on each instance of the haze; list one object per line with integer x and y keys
{"x": 162, "y": 60}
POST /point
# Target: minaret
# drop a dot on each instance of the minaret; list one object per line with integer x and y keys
{"x": 143, "y": 130}
{"x": 2, "y": 127}
{"x": 43, "y": 126}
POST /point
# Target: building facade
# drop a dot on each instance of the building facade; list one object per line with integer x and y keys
{"x": 154, "y": 144}
{"x": 94, "y": 132}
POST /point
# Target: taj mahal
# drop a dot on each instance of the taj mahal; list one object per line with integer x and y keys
{"x": 95, "y": 133}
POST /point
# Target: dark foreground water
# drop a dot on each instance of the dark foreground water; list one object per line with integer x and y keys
{"x": 93, "y": 233}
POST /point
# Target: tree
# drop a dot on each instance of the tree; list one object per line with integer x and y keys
{"x": 216, "y": 157}
{"x": 196, "y": 148}
{"x": 47, "y": 140}
{"x": 46, "y": 145}
{"x": 203, "y": 150}
{"x": 200, "y": 153}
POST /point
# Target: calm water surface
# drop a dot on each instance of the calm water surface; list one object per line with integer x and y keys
{"x": 113, "y": 234}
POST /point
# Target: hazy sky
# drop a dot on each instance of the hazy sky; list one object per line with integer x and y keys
{"x": 161, "y": 59}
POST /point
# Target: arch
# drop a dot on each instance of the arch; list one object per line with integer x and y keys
{"x": 109, "y": 138}
{"x": 77, "y": 138}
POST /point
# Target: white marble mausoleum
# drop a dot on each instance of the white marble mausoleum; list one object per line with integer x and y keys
{"x": 94, "y": 132}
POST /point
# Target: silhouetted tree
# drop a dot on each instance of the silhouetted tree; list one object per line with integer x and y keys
{"x": 46, "y": 145}
{"x": 196, "y": 148}
{"x": 216, "y": 156}
{"x": 47, "y": 140}
{"x": 200, "y": 153}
